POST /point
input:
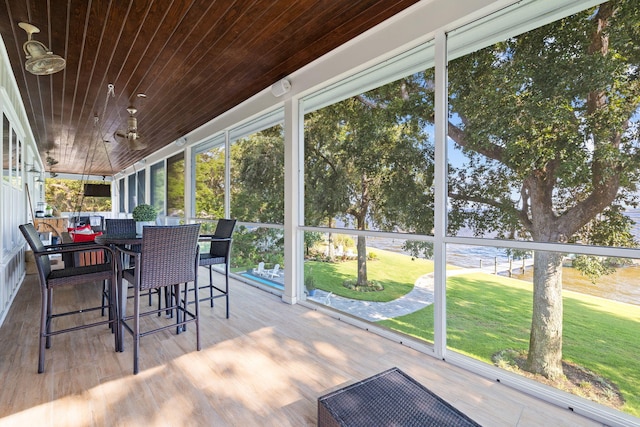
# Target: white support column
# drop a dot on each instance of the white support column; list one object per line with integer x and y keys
{"x": 227, "y": 175}
{"x": 440, "y": 181}
{"x": 189, "y": 186}
{"x": 293, "y": 175}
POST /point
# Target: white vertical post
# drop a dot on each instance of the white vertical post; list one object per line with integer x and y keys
{"x": 227, "y": 175}
{"x": 189, "y": 186}
{"x": 293, "y": 175}
{"x": 440, "y": 182}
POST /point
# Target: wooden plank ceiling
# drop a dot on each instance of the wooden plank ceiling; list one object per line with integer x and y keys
{"x": 193, "y": 59}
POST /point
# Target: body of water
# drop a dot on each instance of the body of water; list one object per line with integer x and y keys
{"x": 623, "y": 285}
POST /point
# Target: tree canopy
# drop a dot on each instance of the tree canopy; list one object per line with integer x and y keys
{"x": 209, "y": 184}
{"x": 257, "y": 177}
{"x": 67, "y": 195}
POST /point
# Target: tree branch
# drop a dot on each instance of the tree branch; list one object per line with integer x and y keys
{"x": 605, "y": 173}
{"x": 491, "y": 151}
{"x": 476, "y": 199}
{"x": 368, "y": 102}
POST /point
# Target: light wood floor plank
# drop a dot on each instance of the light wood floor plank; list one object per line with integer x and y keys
{"x": 265, "y": 366}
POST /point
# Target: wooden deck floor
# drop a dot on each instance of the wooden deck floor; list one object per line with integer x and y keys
{"x": 265, "y": 366}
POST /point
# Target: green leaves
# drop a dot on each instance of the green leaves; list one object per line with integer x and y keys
{"x": 257, "y": 177}
{"x": 553, "y": 112}
{"x": 366, "y": 154}
{"x": 144, "y": 212}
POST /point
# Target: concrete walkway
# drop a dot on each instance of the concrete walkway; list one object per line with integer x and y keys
{"x": 420, "y": 296}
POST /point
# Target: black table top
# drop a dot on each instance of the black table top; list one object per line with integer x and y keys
{"x": 118, "y": 239}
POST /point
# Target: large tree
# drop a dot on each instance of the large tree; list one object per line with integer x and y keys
{"x": 367, "y": 161}
{"x": 548, "y": 120}
{"x": 257, "y": 177}
{"x": 67, "y": 195}
{"x": 210, "y": 183}
{"x": 175, "y": 185}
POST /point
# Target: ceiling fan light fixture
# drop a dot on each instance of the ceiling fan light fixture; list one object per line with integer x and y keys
{"x": 132, "y": 124}
{"x": 131, "y": 134}
{"x": 136, "y": 145}
{"x": 40, "y": 60}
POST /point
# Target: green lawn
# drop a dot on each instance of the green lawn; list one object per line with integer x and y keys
{"x": 396, "y": 272}
{"x": 487, "y": 313}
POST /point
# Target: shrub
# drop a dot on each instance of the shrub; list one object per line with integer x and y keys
{"x": 144, "y": 212}
{"x": 309, "y": 282}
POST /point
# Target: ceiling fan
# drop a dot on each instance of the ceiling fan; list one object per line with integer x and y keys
{"x": 40, "y": 60}
{"x": 131, "y": 134}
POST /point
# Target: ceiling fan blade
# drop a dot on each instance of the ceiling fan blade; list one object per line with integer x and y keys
{"x": 136, "y": 145}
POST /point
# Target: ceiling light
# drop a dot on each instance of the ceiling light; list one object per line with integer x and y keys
{"x": 40, "y": 60}
{"x": 131, "y": 134}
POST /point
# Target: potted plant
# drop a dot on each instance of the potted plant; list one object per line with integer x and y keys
{"x": 310, "y": 284}
{"x": 144, "y": 215}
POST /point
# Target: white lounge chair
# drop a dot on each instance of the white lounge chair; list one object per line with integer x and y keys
{"x": 273, "y": 272}
{"x": 260, "y": 271}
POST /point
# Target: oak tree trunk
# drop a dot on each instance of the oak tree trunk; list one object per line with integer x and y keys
{"x": 545, "y": 342}
{"x": 362, "y": 261}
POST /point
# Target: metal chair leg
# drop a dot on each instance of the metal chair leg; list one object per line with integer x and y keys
{"x": 210, "y": 287}
{"x": 43, "y": 329}
{"x": 136, "y": 331}
{"x": 49, "y": 316}
{"x": 226, "y": 288}
{"x": 104, "y": 297}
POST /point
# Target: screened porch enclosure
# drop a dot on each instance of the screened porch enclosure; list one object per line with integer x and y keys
{"x": 369, "y": 235}
{"x": 459, "y": 191}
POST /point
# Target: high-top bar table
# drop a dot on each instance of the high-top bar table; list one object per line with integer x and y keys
{"x": 114, "y": 241}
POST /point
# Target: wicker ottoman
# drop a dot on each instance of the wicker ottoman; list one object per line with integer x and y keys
{"x": 391, "y": 398}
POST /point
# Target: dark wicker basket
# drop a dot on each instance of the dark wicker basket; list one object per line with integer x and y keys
{"x": 391, "y": 398}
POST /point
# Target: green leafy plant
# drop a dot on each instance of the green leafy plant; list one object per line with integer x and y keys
{"x": 144, "y": 212}
{"x": 309, "y": 282}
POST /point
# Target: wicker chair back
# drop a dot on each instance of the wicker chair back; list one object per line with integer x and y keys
{"x": 120, "y": 226}
{"x": 168, "y": 254}
{"x": 33, "y": 239}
